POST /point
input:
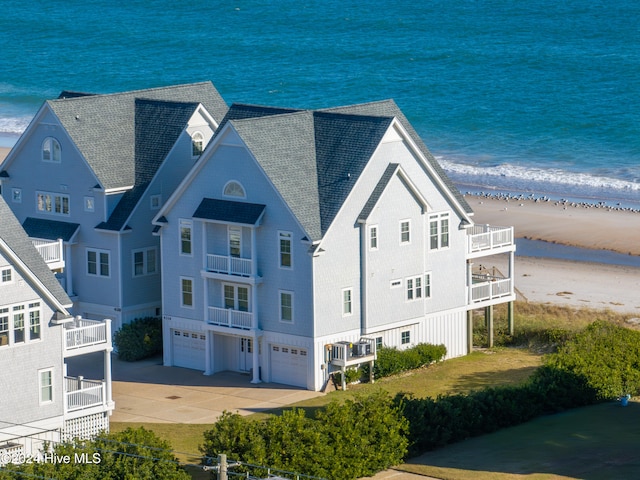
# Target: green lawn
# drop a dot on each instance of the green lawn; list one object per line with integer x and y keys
{"x": 598, "y": 442}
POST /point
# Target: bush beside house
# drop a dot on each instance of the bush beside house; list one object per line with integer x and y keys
{"x": 139, "y": 339}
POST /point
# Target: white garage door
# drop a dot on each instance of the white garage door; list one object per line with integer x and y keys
{"x": 188, "y": 349}
{"x": 289, "y": 365}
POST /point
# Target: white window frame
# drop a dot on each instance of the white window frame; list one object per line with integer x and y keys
{"x": 6, "y": 275}
{"x": 285, "y": 236}
{"x": 49, "y": 145}
{"x": 236, "y": 295}
{"x": 238, "y": 230}
{"x": 98, "y": 261}
{"x": 440, "y": 220}
{"x": 197, "y": 144}
{"x": 280, "y": 311}
{"x": 347, "y": 303}
{"x": 148, "y": 267}
{"x": 372, "y": 237}
{"x": 427, "y": 285}
{"x": 406, "y": 221}
{"x": 155, "y": 201}
{"x": 396, "y": 283}
{"x": 16, "y": 195}
{"x": 89, "y": 204}
{"x": 19, "y": 312}
{"x": 42, "y": 386}
{"x": 234, "y": 189}
{"x": 50, "y": 203}
{"x": 405, "y": 337}
{"x": 34, "y": 312}
{"x": 182, "y": 292}
{"x": 6, "y": 323}
{"x": 185, "y": 225}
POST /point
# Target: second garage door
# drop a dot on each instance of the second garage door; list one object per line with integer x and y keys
{"x": 188, "y": 349}
{"x": 289, "y": 365}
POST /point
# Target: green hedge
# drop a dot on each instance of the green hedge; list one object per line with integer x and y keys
{"x": 391, "y": 361}
{"x": 139, "y": 339}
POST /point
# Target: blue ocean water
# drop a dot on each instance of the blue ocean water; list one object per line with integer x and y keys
{"x": 538, "y": 96}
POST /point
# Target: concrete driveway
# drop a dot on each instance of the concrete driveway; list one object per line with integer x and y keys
{"x": 146, "y": 391}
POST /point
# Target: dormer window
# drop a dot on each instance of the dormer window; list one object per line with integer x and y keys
{"x": 197, "y": 144}
{"x": 233, "y": 189}
{"x": 51, "y": 150}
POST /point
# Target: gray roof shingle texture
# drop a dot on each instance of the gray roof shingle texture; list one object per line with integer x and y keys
{"x": 229, "y": 211}
{"x": 14, "y": 236}
{"x": 49, "y": 229}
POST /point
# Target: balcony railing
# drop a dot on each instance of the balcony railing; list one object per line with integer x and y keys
{"x": 228, "y": 317}
{"x": 85, "y": 333}
{"x": 344, "y": 354}
{"x": 485, "y": 238}
{"x": 488, "y": 287}
{"x": 81, "y": 394}
{"x": 51, "y": 252}
{"x": 229, "y": 265}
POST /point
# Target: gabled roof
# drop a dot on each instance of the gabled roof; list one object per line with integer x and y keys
{"x": 229, "y": 211}
{"x": 50, "y": 229}
{"x": 17, "y": 247}
{"x": 103, "y": 126}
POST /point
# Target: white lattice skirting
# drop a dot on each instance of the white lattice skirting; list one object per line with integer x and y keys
{"x": 85, "y": 427}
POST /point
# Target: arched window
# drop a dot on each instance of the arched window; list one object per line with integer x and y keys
{"x": 51, "y": 150}
{"x": 233, "y": 189}
{"x": 197, "y": 144}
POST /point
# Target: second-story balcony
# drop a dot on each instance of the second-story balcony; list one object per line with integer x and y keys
{"x": 229, "y": 265}
{"x": 51, "y": 252}
{"x": 483, "y": 240}
{"x": 489, "y": 289}
{"x": 228, "y": 317}
{"x": 81, "y": 394}
{"x": 83, "y": 336}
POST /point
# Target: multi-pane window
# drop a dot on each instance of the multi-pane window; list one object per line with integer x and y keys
{"x": 98, "y": 263}
{"x": 51, "y": 151}
{"x": 284, "y": 239}
{"x": 438, "y": 231}
{"x": 185, "y": 237}
{"x": 34, "y": 321}
{"x": 419, "y": 287}
{"x": 89, "y": 204}
{"x": 54, "y": 203}
{"x": 378, "y": 343}
{"x": 186, "y": 292}
{"x": 347, "y": 308}
{"x": 46, "y": 386}
{"x": 233, "y": 189}
{"x": 427, "y": 285}
{"x": 18, "y": 324}
{"x": 373, "y": 237}
{"x": 144, "y": 262}
{"x": 6, "y": 275}
{"x": 197, "y": 144}
{"x": 4, "y": 326}
{"x": 236, "y": 297}
{"x": 405, "y": 231}
{"x": 235, "y": 241}
{"x": 406, "y": 337}
{"x": 286, "y": 306}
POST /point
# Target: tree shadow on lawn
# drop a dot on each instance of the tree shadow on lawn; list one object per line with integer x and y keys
{"x": 492, "y": 378}
{"x": 596, "y": 442}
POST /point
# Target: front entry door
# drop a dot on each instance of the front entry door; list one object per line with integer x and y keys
{"x": 246, "y": 354}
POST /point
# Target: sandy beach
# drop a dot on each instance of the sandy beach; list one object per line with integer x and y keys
{"x": 574, "y": 283}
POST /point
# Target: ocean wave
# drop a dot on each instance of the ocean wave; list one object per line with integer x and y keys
{"x": 14, "y": 125}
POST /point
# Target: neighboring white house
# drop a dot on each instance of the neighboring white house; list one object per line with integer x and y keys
{"x": 37, "y": 334}
{"x": 88, "y": 175}
{"x": 303, "y": 240}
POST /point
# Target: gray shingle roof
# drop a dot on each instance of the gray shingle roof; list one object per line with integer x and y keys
{"x": 103, "y": 126}
{"x": 229, "y": 211}
{"x": 13, "y": 235}
{"x": 49, "y": 229}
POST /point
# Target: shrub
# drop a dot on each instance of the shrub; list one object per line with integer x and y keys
{"x": 139, "y": 339}
{"x": 391, "y": 361}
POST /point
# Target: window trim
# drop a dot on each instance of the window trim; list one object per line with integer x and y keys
{"x": 372, "y": 237}
{"x": 439, "y": 219}
{"x": 236, "y": 296}
{"x": 406, "y": 221}
{"x": 238, "y": 229}
{"x": 280, "y": 316}
{"x": 49, "y": 387}
{"x": 50, "y": 143}
{"x": 182, "y": 293}
{"x": 287, "y": 236}
{"x": 99, "y": 252}
{"x": 2, "y": 275}
{"x": 230, "y": 184}
{"x": 197, "y": 141}
{"x": 347, "y": 312}
{"x": 405, "y": 337}
{"x": 89, "y": 203}
{"x": 155, "y": 201}
{"x": 186, "y": 225}
{"x": 145, "y": 262}
{"x": 55, "y": 200}
{"x": 16, "y": 195}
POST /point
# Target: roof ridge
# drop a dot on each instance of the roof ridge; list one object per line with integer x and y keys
{"x": 128, "y": 92}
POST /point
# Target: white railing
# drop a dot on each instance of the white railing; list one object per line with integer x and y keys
{"x": 80, "y": 393}
{"x": 229, "y": 265}
{"x": 51, "y": 252}
{"x": 486, "y": 287}
{"x": 228, "y": 317}
{"x": 84, "y": 333}
{"x": 486, "y": 237}
{"x": 351, "y": 353}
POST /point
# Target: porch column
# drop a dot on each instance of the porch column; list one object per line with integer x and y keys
{"x": 208, "y": 352}
{"x": 489, "y": 321}
{"x": 256, "y": 359}
{"x": 510, "y": 318}
{"x": 254, "y": 251}
{"x": 469, "y": 331}
{"x": 469, "y": 282}
{"x": 107, "y": 364}
{"x": 67, "y": 269}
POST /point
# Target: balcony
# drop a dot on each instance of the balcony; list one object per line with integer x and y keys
{"x": 86, "y": 336}
{"x": 51, "y": 252}
{"x": 81, "y": 394}
{"x": 227, "y": 317}
{"x": 485, "y": 289}
{"x": 485, "y": 240}
{"x": 229, "y": 265}
{"x": 345, "y": 354}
